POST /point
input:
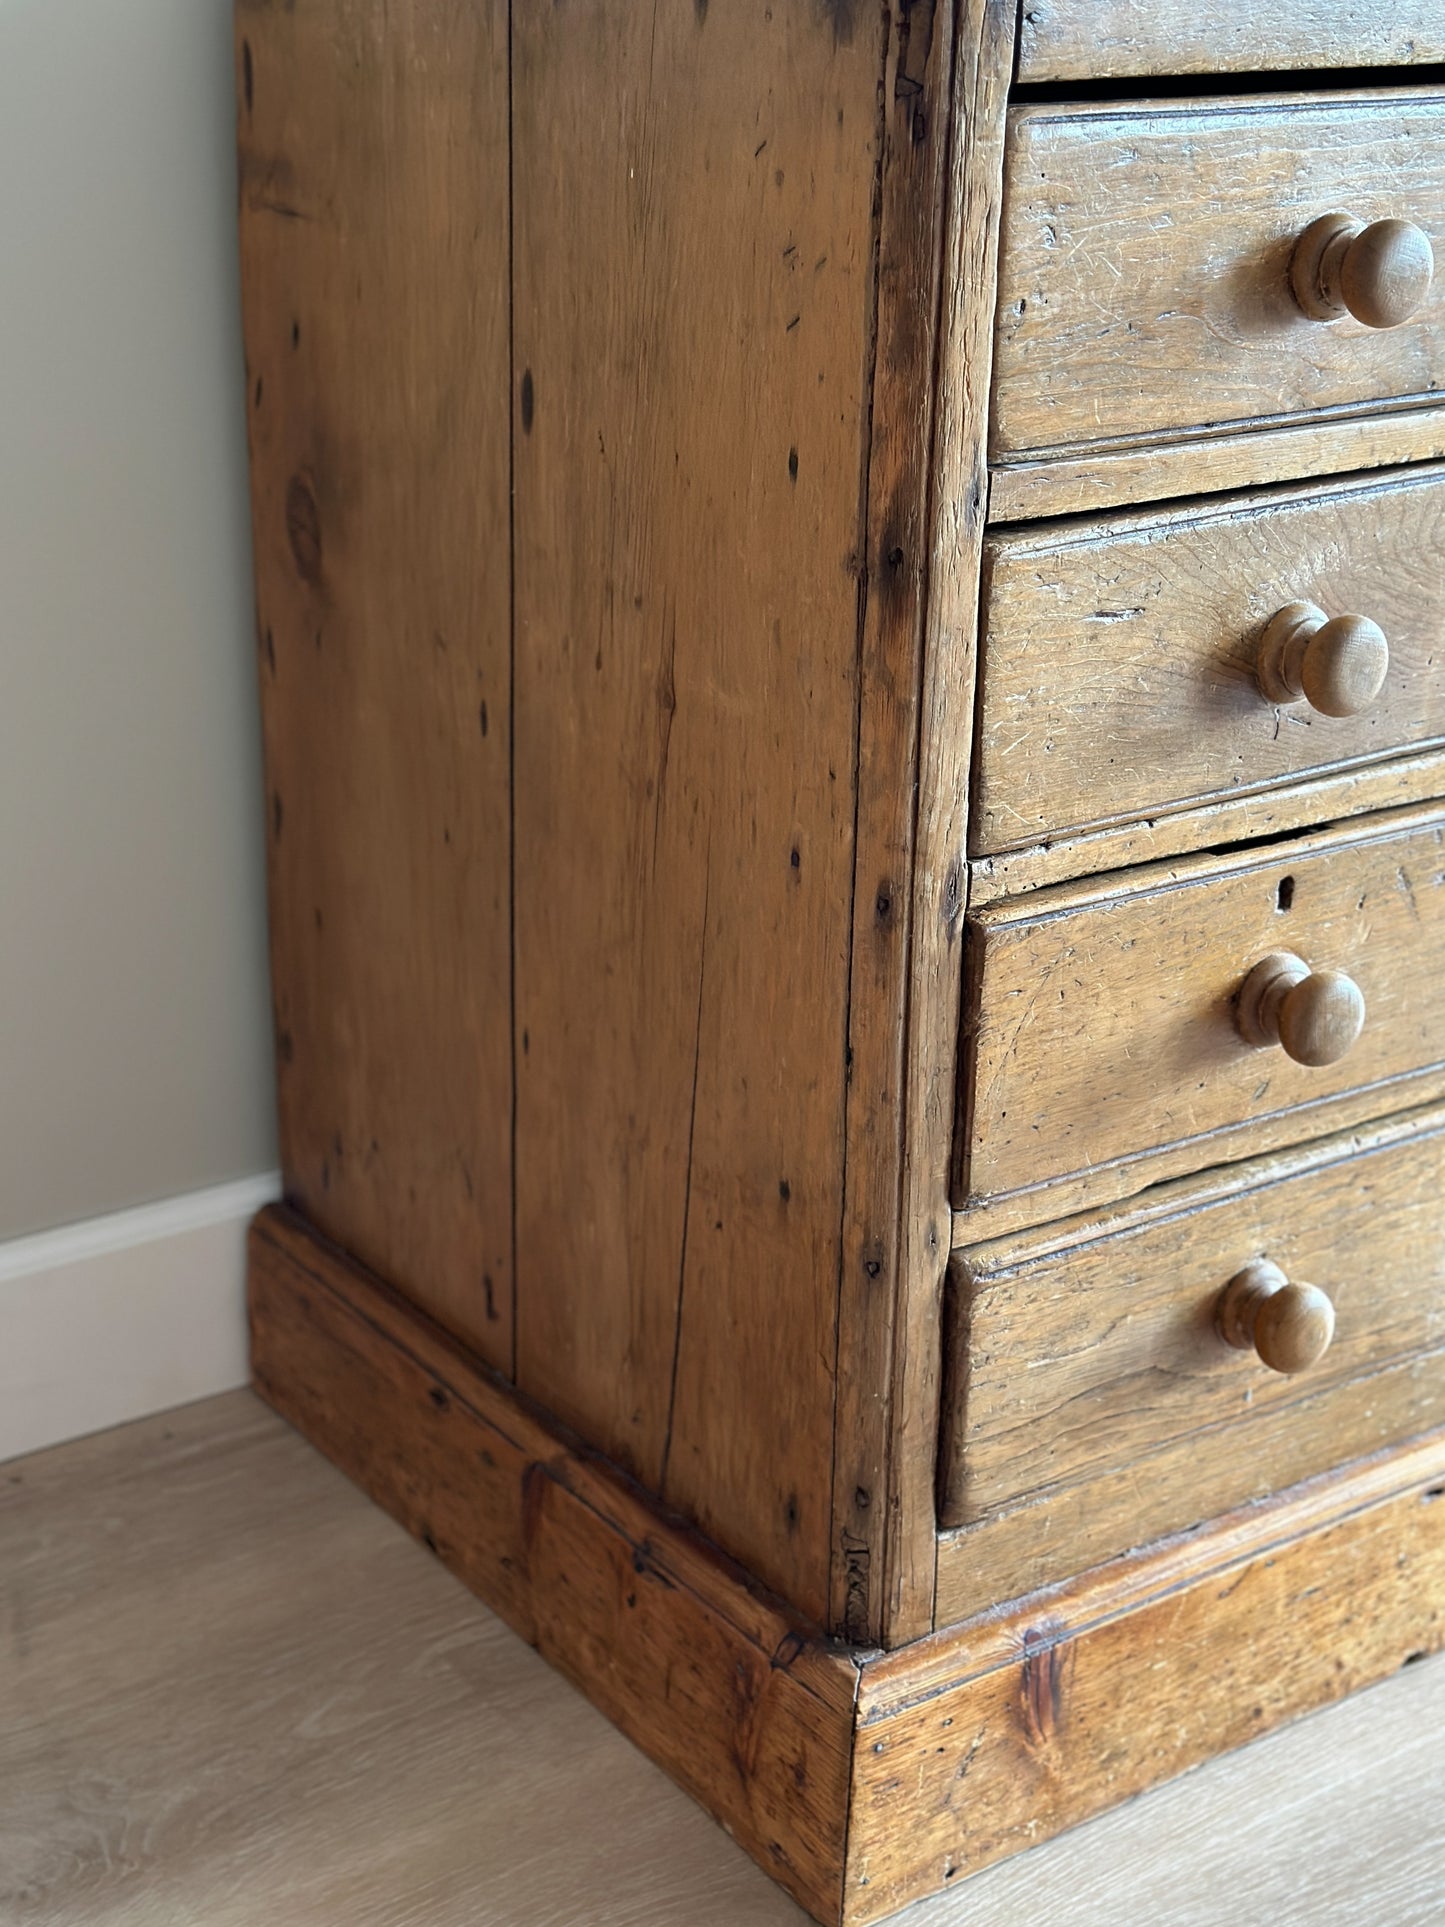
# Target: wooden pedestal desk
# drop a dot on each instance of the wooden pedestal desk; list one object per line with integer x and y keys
{"x": 852, "y": 639}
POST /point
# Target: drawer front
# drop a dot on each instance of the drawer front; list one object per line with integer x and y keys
{"x": 1120, "y": 670}
{"x": 1144, "y": 275}
{"x": 1076, "y": 1364}
{"x": 1102, "y": 1024}
{"x": 1094, "y": 39}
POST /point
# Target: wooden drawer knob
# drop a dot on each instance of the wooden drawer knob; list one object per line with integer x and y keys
{"x": 1380, "y": 274}
{"x": 1316, "y": 1015}
{"x": 1289, "y": 1325}
{"x": 1337, "y": 664}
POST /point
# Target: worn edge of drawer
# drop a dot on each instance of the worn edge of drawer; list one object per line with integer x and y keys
{"x": 1071, "y": 40}
{"x": 1076, "y": 479}
{"x": 1176, "y": 1197}
{"x": 1111, "y": 1585}
{"x": 1334, "y": 799}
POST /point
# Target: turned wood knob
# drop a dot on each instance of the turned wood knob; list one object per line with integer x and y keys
{"x": 1338, "y": 665}
{"x": 1316, "y": 1015}
{"x": 1380, "y": 274}
{"x": 1289, "y": 1325}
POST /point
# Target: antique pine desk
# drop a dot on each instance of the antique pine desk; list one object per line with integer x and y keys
{"x": 852, "y": 638}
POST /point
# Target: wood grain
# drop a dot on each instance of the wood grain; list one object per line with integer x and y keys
{"x": 1114, "y": 322}
{"x": 1094, "y": 39}
{"x": 1120, "y": 674}
{"x": 938, "y": 886}
{"x": 883, "y": 1529}
{"x": 1106, "y": 1007}
{"x": 374, "y": 263}
{"x": 1302, "y": 805}
{"x": 1074, "y": 1701}
{"x": 1071, "y": 1365}
{"x": 220, "y": 1708}
{"x": 693, "y": 263}
{"x": 1104, "y": 476}
{"x": 717, "y": 1683}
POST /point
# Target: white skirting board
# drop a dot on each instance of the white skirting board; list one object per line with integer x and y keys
{"x": 124, "y": 1315}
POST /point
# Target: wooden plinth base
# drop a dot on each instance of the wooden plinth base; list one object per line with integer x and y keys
{"x": 859, "y": 1780}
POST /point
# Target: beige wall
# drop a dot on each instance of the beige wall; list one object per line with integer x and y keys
{"x": 133, "y": 1004}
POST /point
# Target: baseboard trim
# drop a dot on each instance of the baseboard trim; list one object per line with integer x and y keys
{"x": 843, "y": 1771}
{"x": 124, "y": 1315}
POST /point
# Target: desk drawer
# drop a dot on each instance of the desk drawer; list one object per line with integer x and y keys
{"x": 1087, "y": 39}
{"x": 1145, "y": 257}
{"x": 1121, "y": 666}
{"x": 1097, "y": 1366}
{"x": 1102, "y": 1018}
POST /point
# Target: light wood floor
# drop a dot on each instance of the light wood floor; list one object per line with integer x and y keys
{"x": 233, "y": 1692}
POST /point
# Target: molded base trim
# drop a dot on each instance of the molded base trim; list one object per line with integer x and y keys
{"x": 861, "y": 1781}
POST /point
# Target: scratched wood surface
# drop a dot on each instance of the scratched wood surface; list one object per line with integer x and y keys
{"x": 693, "y": 260}
{"x": 1119, "y": 679}
{"x": 882, "y": 1569}
{"x": 1062, "y": 1705}
{"x": 711, "y": 1677}
{"x": 374, "y": 266}
{"x": 1104, "y": 1011}
{"x": 1094, "y": 39}
{"x": 1143, "y": 275}
{"x": 224, "y": 1708}
{"x": 1071, "y": 1365}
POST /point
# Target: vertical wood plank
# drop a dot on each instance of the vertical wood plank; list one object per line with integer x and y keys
{"x": 374, "y": 235}
{"x": 980, "y": 94}
{"x": 694, "y": 224}
{"x": 909, "y": 264}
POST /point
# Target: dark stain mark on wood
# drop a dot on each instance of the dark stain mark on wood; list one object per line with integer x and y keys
{"x": 489, "y": 1295}
{"x": 303, "y": 527}
{"x": 285, "y": 1046}
{"x": 483, "y": 716}
{"x": 842, "y": 17}
{"x": 271, "y": 652}
{"x": 260, "y": 389}
{"x": 857, "y": 1563}
{"x": 277, "y": 814}
{"x": 1044, "y": 1681}
{"x": 295, "y": 334}
{"x": 699, "y": 7}
{"x": 529, "y": 401}
{"x": 785, "y": 1190}
{"x": 438, "y": 1397}
{"x": 793, "y": 463}
{"x": 248, "y": 77}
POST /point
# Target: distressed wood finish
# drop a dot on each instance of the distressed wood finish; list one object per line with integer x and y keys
{"x": 693, "y": 828}
{"x": 838, "y": 1771}
{"x": 1122, "y": 673}
{"x": 982, "y": 64}
{"x": 883, "y": 1540}
{"x": 1106, "y": 1010}
{"x": 1092, "y": 39}
{"x": 1076, "y": 1700}
{"x": 374, "y": 263}
{"x": 1114, "y": 475}
{"x": 722, "y": 1687}
{"x": 693, "y": 267}
{"x": 1111, "y": 324}
{"x": 1069, "y": 1364}
{"x": 1229, "y": 823}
